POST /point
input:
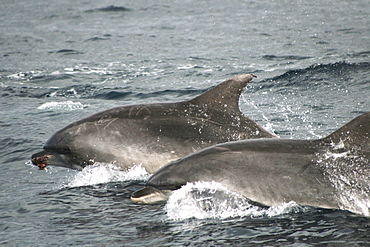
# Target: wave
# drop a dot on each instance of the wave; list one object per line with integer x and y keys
{"x": 113, "y": 95}
{"x": 40, "y": 77}
{"x": 65, "y": 105}
{"x": 67, "y": 52}
{"x": 44, "y": 92}
{"x": 88, "y": 91}
{"x": 110, "y": 8}
{"x": 282, "y": 58}
{"x": 321, "y": 74}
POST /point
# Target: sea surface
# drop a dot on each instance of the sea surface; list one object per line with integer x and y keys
{"x": 63, "y": 60}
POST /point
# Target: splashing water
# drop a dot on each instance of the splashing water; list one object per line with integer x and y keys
{"x": 203, "y": 200}
{"x": 67, "y": 105}
{"x": 349, "y": 174}
{"x": 104, "y": 173}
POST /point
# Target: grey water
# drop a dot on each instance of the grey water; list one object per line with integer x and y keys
{"x": 63, "y": 60}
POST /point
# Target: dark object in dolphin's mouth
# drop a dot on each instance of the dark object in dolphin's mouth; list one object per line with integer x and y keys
{"x": 40, "y": 162}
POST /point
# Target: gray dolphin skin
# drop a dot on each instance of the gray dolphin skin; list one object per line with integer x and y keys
{"x": 152, "y": 135}
{"x": 270, "y": 172}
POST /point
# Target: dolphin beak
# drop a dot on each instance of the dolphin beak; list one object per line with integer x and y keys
{"x": 51, "y": 158}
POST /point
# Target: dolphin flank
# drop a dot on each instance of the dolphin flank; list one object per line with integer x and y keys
{"x": 274, "y": 171}
{"x": 152, "y": 135}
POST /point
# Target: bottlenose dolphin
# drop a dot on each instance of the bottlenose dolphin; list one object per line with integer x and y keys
{"x": 270, "y": 172}
{"x": 152, "y": 135}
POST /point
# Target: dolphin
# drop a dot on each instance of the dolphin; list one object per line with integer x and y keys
{"x": 151, "y": 135}
{"x": 273, "y": 171}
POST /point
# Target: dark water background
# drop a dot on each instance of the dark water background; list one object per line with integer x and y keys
{"x": 63, "y": 60}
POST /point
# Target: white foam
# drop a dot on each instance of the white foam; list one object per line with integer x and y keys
{"x": 86, "y": 70}
{"x": 104, "y": 173}
{"x": 349, "y": 174}
{"x": 65, "y": 105}
{"x": 186, "y": 67}
{"x": 201, "y": 200}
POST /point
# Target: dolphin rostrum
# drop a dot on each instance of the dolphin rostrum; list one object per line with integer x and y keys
{"x": 152, "y": 135}
{"x": 327, "y": 172}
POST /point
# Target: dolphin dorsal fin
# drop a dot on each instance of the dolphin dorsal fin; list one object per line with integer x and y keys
{"x": 225, "y": 95}
{"x": 355, "y": 134}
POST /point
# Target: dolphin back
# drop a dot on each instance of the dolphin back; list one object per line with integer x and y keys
{"x": 353, "y": 135}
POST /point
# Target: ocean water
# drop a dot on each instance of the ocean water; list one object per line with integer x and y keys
{"x": 63, "y": 60}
